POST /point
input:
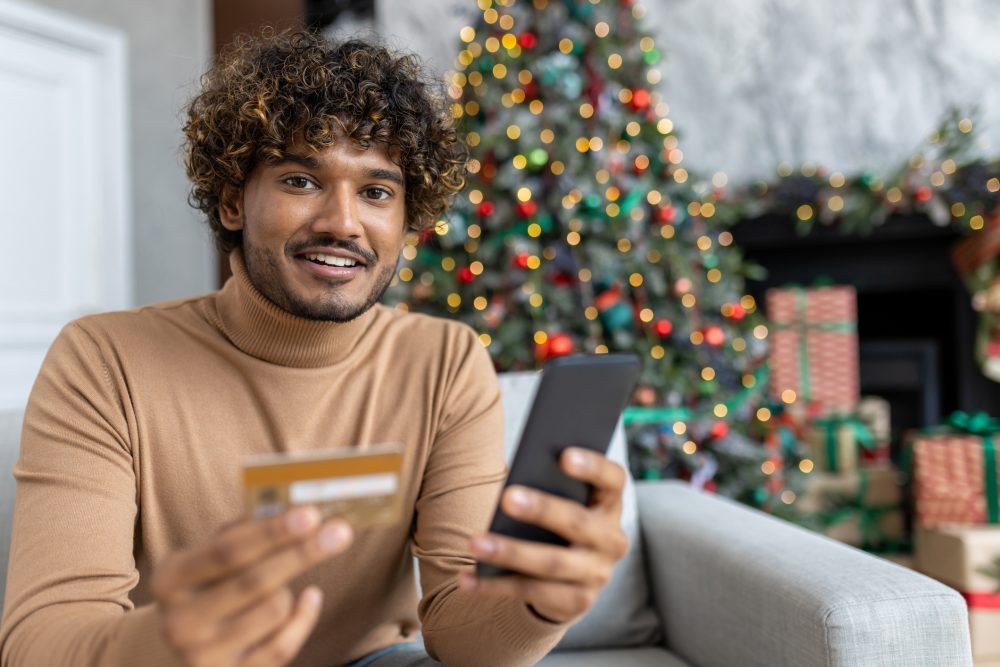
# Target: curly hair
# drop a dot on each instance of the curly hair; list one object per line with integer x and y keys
{"x": 268, "y": 91}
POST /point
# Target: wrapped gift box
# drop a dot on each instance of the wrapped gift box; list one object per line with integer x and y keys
{"x": 835, "y": 443}
{"x": 862, "y": 508}
{"x": 814, "y": 346}
{"x": 870, "y": 529}
{"x": 955, "y": 479}
{"x": 871, "y": 487}
{"x": 957, "y": 556}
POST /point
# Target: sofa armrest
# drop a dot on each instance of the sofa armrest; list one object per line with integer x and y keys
{"x": 734, "y": 586}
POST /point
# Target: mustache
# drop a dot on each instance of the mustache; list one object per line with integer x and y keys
{"x": 350, "y": 246}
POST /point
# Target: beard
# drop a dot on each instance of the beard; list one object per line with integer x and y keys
{"x": 264, "y": 272}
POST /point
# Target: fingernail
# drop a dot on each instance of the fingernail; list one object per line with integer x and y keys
{"x": 332, "y": 536}
{"x": 520, "y": 499}
{"x": 301, "y": 520}
{"x": 484, "y": 546}
{"x": 578, "y": 460}
{"x": 313, "y": 597}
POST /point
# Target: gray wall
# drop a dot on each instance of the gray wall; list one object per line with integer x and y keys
{"x": 850, "y": 84}
{"x": 169, "y": 46}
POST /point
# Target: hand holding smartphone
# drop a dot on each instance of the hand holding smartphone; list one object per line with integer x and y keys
{"x": 578, "y": 403}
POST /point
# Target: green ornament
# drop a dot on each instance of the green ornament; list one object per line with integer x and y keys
{"x": 651, "y": 474}
{"x": 760, "y": 495}
{"x": 618, "y": 316}
{"x": 631, "y": 200}
{"x": 581, "y": 11}
{"x": 485, "y": 65}
{"x": 710, "y": 261}
{"x": 592, "y": 202}
{"x": 651, "y": 57}
{"x": 537, "y": 158}
{"x": 867, "y": 178}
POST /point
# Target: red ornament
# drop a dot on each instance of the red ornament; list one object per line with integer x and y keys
{"x": 663, "y": 328}
{"x": 715, "y": 336}
{"x": 531, "y": 90}
{"x": 527, "y": 40}
{"x": 738, "y": 312}
{"x": 710, "y": 486}
{"x": 665, "y": 214}
{"x": 486, "y": 209}
{"x": 526, "y": 209}
{"x": 608, "y": 298}
{"x": 563, "y": 279}
{"x": 720, "y": 429}
{"x": 521, "y": 260}
{"x": 640, "y": 99}
{"x": 560, "y": 345}
{"x": 465, "y": 275}
{"x": 923, "y": 194}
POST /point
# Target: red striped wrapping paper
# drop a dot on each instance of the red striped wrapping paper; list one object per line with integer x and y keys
{"x": 814, "y": 346}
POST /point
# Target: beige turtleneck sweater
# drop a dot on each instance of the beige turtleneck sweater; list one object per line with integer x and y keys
{"x": 131, "y": 449}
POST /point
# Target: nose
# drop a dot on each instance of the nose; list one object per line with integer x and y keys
{"x": 339, "y": 215}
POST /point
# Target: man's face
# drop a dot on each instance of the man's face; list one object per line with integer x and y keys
{"x": 322, "y": 231}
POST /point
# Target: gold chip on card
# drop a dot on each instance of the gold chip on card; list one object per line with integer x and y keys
{"x": 361, "y": 486}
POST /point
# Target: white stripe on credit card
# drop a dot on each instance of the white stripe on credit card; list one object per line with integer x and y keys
{"x": 340, "y": 488}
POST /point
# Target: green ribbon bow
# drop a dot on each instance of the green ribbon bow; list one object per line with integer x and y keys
{"x": 802, "y": 327}
{"x": 830, "y": 425}
{"x": 639, "y": 415}
{"x": 986, "y": 427}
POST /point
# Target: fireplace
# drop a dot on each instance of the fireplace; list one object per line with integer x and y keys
{"x": 915, "y": 324}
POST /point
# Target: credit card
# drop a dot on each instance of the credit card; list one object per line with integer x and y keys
{"x": 359, "y": 485}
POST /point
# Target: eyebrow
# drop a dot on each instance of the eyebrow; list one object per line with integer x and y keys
{"x": 310, "y": 162}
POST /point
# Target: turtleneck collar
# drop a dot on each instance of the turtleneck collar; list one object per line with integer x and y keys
{"x": 263, "y": 330}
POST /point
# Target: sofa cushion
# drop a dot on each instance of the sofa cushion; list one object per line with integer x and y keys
{"x": 623, "y": 614}
{"x": 626, "y": 657}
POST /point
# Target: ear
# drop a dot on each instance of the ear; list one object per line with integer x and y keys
{"x": 231, "y": 207}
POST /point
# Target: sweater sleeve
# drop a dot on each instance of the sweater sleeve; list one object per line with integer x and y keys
{"x": 71, "y": 559}
{"x": 461, "y": 485}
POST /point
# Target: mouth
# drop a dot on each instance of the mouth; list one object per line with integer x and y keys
{"x": 331, "y": 260}
{"x": 338, "y": 266}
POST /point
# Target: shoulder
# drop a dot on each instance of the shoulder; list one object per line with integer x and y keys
{"x": 141, "y": 325}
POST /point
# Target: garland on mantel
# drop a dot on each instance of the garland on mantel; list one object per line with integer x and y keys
{"x": 944, "y": 180}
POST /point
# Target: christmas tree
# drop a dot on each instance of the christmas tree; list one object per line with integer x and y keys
{"x": 580, "y": 231}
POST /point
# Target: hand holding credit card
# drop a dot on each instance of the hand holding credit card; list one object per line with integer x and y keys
{"x": 362, "y": 486}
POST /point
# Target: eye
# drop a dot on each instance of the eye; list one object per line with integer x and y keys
{"x": 300, "y": 183}
{"x": 377, "y": 193}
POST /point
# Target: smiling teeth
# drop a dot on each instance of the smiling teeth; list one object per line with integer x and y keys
{"x": 330, "y": 260}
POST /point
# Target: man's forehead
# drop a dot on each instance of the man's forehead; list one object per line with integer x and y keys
{"x": 319, "y": 153}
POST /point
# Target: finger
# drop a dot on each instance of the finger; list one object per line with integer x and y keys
{"x": 606, "y": 477}
{"x": 569, "y": 519}
{"x": 282, "y": 647}
{"x": 232, "y": 595}
{"x": 232, "y": 549}
{"x": 223, "y": 645}
{"x": 560, "y": 601}
{"x": 543, "y": 561}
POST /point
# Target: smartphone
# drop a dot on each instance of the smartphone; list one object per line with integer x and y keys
{"x": 578, "y": 403}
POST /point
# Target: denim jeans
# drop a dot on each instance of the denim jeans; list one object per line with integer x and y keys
{"x": 404, "y": 654}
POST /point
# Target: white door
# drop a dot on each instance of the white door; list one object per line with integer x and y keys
{"x": 64, "y": 232}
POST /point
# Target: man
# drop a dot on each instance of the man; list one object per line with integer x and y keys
{"x": 311, "y": 162}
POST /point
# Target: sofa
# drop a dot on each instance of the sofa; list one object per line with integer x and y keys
{"x": 710, "y": 583}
